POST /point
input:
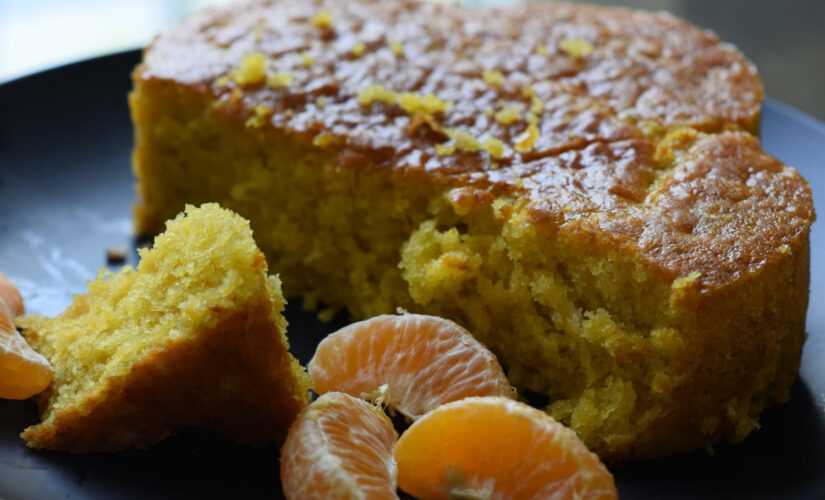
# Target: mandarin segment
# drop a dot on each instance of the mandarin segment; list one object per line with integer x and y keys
{"x": 496, "y": 448}
{"x": 415, "y": 363}
{"x": 11, "y": 296}
{"x": 339, "y": 447}
{"x": 23, "y": 371}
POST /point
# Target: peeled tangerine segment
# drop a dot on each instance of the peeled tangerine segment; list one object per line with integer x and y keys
{"x": 496, "y": 448}
{"x": 11, "y": 296}
{"x": 414, "y": 363}
{"x": 339, "y": 447}
{"x": 23, "y": 371}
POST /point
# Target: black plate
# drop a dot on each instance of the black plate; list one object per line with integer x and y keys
{"x": 65, "y": 196}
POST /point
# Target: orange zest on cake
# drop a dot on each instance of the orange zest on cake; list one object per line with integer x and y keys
{"x": 580, "y": 187}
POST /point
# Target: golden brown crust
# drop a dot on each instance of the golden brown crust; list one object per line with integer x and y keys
{"x": 719, "y": 205}
{"x": 235, "y": 378}
{"x": 731, "y": 368}
{"x": 643, "y": 66}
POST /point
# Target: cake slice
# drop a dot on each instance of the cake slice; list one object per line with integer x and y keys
{"x": 193, "y": 338}
{"x": 580, "y": 187}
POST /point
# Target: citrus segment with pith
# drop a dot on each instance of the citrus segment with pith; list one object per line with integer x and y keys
{"x": 414, "y": 363}
{"x": 23, "y": 371}
{"x": 496, "y": 448}
{"x": 11, "y": 295}
{"x": 339, "y": 447}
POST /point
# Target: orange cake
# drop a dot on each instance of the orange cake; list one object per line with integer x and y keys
{"x": 193, "y": 338}
{"x": 580, "y": 187}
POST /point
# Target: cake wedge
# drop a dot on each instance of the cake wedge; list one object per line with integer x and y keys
{"x": 193, "y": 338}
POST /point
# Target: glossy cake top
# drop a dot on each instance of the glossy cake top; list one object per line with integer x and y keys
{"x": 572, "y": 106}
{"x": 407, "y": 76}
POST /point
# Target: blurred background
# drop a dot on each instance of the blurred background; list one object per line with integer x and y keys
{"x": 785, "y": 39}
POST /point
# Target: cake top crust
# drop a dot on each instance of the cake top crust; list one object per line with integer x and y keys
{"x": 579, "y": 110}
{"x": 407, "y": 76}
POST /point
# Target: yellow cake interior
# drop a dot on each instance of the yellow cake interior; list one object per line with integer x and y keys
{"x": 148, "y": 336}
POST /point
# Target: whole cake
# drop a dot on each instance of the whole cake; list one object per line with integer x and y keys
{"x": 580, "y": 187}
{"x": 192, "y": 338}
